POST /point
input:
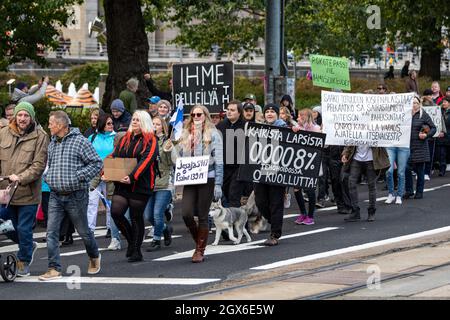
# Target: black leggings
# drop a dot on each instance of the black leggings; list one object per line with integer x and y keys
{"x": 134, "y": 233}
{"x": 197, "y": 199}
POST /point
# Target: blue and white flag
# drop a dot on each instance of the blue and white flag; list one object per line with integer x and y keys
{"x": 177, "y": 121}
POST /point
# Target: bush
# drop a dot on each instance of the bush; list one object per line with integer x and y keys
{"x": 87, "y": 73}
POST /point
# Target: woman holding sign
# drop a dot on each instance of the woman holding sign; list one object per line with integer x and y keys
{"x": 134, "y": 190}
{"x": 422, "y": 129}
{"x": 200, "y": 138}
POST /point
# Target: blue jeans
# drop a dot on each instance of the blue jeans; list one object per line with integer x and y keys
{"x": 154, "y": 211}
{"x": 419, "y": 168}
{"x": 400, "y": 156}
{"x": 75, "y": 206}
{"x": 23, "y": 218}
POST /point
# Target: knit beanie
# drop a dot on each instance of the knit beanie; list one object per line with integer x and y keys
{"x": 271, "y": 106}
{"x": 118, "y": 105}
{"x": 28, "y": 107}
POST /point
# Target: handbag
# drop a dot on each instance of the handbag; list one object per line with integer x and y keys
{"x": 7, "y": 194}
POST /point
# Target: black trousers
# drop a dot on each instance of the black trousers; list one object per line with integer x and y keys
{"x": 197, "y": 199}
{"x": 233, "y": 189}
{"x": 270, "y": 202}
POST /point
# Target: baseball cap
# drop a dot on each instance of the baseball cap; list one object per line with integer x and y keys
{"x": 250, "y": 96}
{"x": 154, "y": 99}
{"x": 248, "y": 105}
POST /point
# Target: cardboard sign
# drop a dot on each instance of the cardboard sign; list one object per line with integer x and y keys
{"x": 191, "y": 170}
{"x": 330, "y": 72}
{"x": 281, "y": 157}
{"x": 375, "y": 120}
{"x": 115, "y": 169}
{"x": 436, "y": 115}
{"x": 209, "y": 84}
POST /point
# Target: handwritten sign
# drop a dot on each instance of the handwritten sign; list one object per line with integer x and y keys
{"x": 330, "y": 72}
{"x": 375, "y": 120}
{"x": 436, "y": 115}
{"x": 208, "y": 84}
{"x": 279, "y": 156}
{"x": 191, "y": 170}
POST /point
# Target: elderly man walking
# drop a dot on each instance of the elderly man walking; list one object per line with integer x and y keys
{"x": 72, "y": 163}
{"x": 23, "y": 155}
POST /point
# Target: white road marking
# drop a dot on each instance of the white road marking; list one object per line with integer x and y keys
{"x": 113, "y": 280}
{"x": 210, "y": 250}
{"x": 350, "y": 249}
{"x": 424, "y": 190}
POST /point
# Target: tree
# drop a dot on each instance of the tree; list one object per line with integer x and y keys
{"x": 29, "y": 26}
{"x": 314, "y": 26}
{"x": 127, "y": 48}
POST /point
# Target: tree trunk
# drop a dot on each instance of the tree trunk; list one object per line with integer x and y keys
{"x": 430, "y": 61}
{"x": 127, "y": 47}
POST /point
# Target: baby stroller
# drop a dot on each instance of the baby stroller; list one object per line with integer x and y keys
{"x": 8, "y": 262}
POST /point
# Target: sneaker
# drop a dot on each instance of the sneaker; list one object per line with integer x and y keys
{"x": 169, "y": 212}
{"x": 167, "y": 232}
{"x": 427, "y": 177}
{"x": 320, "y": 203}
{"x": 115, "y": 245}
{"x": 51, "y": 274}
{"x": 308, "y": 221}
{"x": 418, "y": 196}
{"x": 95, "y": 264}
{"x": 6, "y": 226}
{"x": 150, "y": 233}
{"x": 155, "y": 245}
{"x": 35, "y": 246}
{"x": 23, "y": 269}
{"x": 398, "y": 200}
{"x": 390, "y": 199}
{"x": 300, "y": 219}
{"x": 287, "y": 201}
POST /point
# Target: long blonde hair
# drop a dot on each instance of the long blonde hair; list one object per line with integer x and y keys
{"x": 207, "y": 128}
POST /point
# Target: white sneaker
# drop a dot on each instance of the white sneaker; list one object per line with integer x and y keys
{"x": 287, "y": 201}
{"x": 6, "y": 226}
{"x": 427, "y": 177}
{"x": 390, "y": 199}
{"x": 398, "y": 200}
{"x": 151, "y": 231}
{"x": 115, "y": 245}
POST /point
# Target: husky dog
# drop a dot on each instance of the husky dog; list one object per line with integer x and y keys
{"x": 226, "y": 218}
{"x": 256, "y": 222}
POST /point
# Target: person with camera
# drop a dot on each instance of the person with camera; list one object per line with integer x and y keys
{"x": 422, "y": 129}
{"x": 32, "y": 95}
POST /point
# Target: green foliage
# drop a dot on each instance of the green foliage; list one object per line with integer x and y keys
{"x": 87, "y": 73}
{"x": 30, "y": 24}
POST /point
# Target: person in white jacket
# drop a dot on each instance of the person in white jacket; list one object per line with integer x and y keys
{"x": 34, "y": 94}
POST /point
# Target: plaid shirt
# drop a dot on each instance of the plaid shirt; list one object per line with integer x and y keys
{"x": 72, "y": 163}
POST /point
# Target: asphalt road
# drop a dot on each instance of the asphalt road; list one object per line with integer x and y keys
{"x": 179, "y": 276}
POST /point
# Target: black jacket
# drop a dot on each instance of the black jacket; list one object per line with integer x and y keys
{"x": 143, "y": 176}
{"x": 445, "y": 140}
{"x": 224, "y": 127}
{"x": 123, "y": 122}
{"x": 156, "y": 92}
{"x": 419, "y": 148}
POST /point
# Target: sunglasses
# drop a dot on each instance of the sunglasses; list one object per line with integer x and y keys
{"x": 196, "y": 115}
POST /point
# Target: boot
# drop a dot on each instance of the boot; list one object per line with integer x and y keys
{"x": 136, "y": 255}
{"x": 202, "y": 241}
{"x": 354, "y": 216}
{"x": 68, "y": 240}
{"x": 192, "y": 227}
{"x": 371, "y": 216}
